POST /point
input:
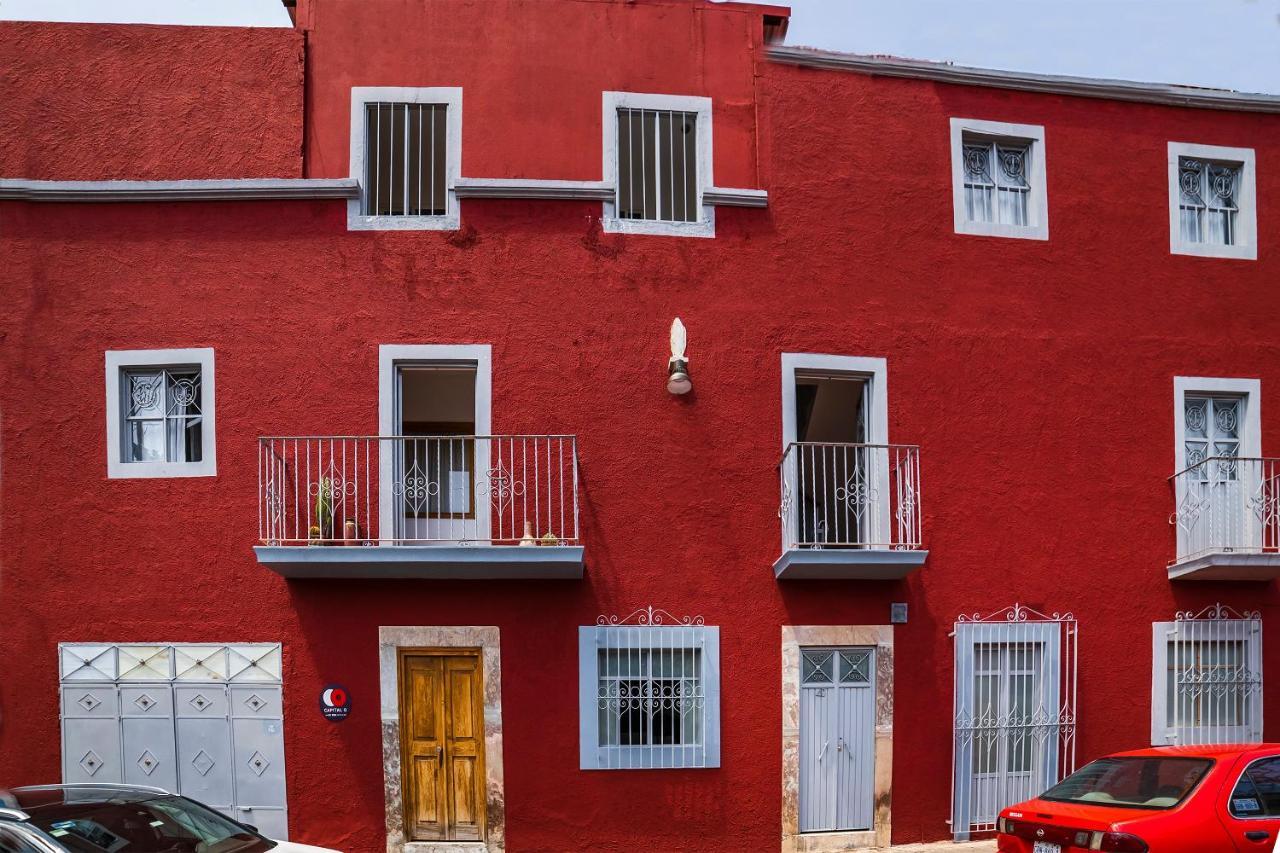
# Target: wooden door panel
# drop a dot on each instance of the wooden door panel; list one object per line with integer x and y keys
{"x": 422, "y": 724}
{"x": 464, "y": 748}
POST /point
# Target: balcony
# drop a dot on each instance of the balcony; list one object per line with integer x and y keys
{"x": 849, "y": 511}
{"x": 1227, "y": 518}
{"x": 419, "y": 506}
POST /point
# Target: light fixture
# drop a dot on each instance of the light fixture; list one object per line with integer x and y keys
{"x": 678, "y": 381}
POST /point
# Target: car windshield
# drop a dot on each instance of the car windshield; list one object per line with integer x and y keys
{"x": 1155, "y": 782}
{"x": 155, "y": 825}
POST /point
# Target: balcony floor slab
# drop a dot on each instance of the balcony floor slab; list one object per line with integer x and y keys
{"x": 443, "y": 562}
{"x": 1227, "y": 566}
{"x": 847, "y": 564}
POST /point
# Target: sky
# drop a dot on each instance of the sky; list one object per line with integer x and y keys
{"x": 1226, "y": 44}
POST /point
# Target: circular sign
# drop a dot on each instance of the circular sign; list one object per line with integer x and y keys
{"x": 335, "y": 703}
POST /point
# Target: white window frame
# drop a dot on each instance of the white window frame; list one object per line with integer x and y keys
{"x": 1246, "y": 224}
{"x": 872, "y": 369}
{"x": 592, "y": 756}
{"x": 451, "y": 97}
{"x": 1250, "y": 426}
{"x": 1237, "y": 629}
{"x": 1037, "y": 227}
{"x": 118, "y": 361}
{"x": 705, "y": 226}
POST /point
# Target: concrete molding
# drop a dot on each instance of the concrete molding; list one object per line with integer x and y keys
{"x": 533, "y": 188}
{"x": 229, "y": 189}
{"x": 1057, "y": 84}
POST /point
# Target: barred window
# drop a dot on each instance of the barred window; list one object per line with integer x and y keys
{"x": 405, "y": 159}
{"x": 1208, "y": 193}
{"x": 1207, "y": 671}
{"x": 658, "y": 165}
{"x": 163, "y": 422}
{"x": 649, "y": 696}
{"x": 996, "y": 186}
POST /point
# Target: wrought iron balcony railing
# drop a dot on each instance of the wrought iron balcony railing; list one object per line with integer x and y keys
{"x": 853, "y": 496}
{"x": 1227, "y": 504}
{"x": 418, "y": 490}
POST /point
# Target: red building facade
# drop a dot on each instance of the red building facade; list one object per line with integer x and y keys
{"x": 366, "y": 387}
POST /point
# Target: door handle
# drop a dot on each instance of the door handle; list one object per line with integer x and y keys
{"x": 439, "y": 755}
{"x": 1257, "y": 835}
{"x": 824, "y": 749}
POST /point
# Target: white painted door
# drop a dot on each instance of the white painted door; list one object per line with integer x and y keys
{"x": 1219, "y": 491}
{"x": 203, "y": 721}
{"x": 837, "y": 739}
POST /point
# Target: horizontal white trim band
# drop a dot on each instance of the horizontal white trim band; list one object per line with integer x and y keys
{"x": 1085, "y": 87}
{"x": 734, "y": 197}
{"x": 533, "y": 188}
{"x": 197, "y": 190}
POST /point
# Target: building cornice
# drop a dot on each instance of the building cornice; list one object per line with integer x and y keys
{"x": 197, "y": 190}
{"x": 533, "y": 189}
{"x": 1085, "y": 87}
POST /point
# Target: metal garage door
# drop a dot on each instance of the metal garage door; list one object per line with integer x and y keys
{"x": 205, "y": 721}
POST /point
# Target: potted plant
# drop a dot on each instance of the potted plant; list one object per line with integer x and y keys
{"x": 324, "y": 508}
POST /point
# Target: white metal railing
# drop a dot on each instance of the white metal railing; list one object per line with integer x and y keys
{"x": 419, "y": 489}
{"x": 850, "y": 495}
{"x": 1227, "y": 504}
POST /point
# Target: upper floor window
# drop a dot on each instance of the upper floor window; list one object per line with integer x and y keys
{"x": 406, "y": 153}
{"x": 657, "y": 151}
{"x": 998, "y": 179}
{"x": 1211, "y": 201}
{"x": 160, "y": 413}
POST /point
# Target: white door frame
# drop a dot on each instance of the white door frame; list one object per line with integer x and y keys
{"x": 391, "y": 357}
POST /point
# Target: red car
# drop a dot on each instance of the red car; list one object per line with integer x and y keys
{"x": 1186, "y": 799}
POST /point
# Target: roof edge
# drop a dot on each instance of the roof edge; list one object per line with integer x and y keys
{"x": 1085, "y": 87}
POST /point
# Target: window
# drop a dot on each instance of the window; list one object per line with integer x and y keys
{"x": 160, "y": 413}
{"x": 406, "y": 153}
{"x": 1257, "y": 794}
{"x": 657, "y": 150}
{"x": 1207, "y": 680}
{"x": 1211, "y": 201}
{"x": 998, "y": 177}
{"x": 1149, "y": 783}
{"x": 649, "y": 696}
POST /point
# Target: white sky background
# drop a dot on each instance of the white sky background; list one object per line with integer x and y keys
{"x": 1228, "y": 44}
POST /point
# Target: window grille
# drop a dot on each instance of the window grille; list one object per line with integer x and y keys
{"x": 649, "y": 692}
{"x": 996, "y": 186}
{"x": 405, "y": 156}
{"x": 1212, "y": 429}
{"x": 163, "y": 419}
{"x": 1207, "y": 205}
{"x": 1210, "y": 664}
{"x": 1015, "y": 711}
{"x": 658, "y": 165}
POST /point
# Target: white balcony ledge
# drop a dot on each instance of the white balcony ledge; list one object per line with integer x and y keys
{"x": 438, "y": 562}
{"x": 1227, "y": 566}
{"x": 841, "y": 564}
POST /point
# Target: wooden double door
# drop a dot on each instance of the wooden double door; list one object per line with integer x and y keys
{"x": 442, "y": 744}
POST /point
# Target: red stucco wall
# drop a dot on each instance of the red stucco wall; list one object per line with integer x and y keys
{"x": 1035, "y": 376}
{"x": 94, "y": 102}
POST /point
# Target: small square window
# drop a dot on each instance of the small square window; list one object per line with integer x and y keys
{"x": 657, "y": 151}
{"x": 160, "y": 419}
{"x": 406, "y": 154}
{"x": 998, "y": 177}
{"x": 1211, "y": 201}
{"x": 649, "y": 697}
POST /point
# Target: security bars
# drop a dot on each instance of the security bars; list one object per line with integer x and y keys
{"x": 462, "y": 489}
{"x": 658, "y": 165}
{"x": 1207, "y": 205}
{"x": 163, "y": 420}
{"x": 850, "y": 495}
{"x": 405, "y": 154}
{"x": 650, "y": 691}
{"x": 996, "y": 184}
{"x": 1227, "y": 504}
{"x": 1212, "y": 668}
{"x": 1015, "y": 711}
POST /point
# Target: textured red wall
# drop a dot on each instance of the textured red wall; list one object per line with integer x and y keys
{"x": 95, "y": 102}
{"x": 1035, "y": 376}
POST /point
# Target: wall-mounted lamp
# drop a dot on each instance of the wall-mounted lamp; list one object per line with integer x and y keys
{"x": 678, "y": 381}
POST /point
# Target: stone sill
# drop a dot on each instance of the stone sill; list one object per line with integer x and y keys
{"x": 442, "y": 562}
{"x": 1227, "y": 566}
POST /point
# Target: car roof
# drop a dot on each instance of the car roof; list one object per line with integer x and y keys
{"x": 34, "y": 797}
{"x": 1215, "y": 750}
